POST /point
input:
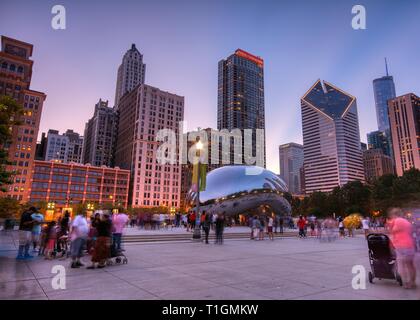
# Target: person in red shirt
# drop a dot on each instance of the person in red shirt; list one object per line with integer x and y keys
{"x": 301, "y": 225}
{"x": 402, "y": 240}
{"x": 192, "y": 220}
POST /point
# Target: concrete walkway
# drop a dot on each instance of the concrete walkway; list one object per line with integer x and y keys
{"x": 289, "y": 268}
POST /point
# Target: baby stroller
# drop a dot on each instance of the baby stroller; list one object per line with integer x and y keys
{"x": 63, "y": 247}
{"x": 117, "y": 256}
{"x": 382, "y": 259}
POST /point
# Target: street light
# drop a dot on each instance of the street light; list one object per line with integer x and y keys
{"x": 197, "y": 230}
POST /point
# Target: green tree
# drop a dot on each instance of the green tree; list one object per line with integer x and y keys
{"x": 318, "y": 204}
{"x": 409, "y": 183}
{"x": 10, "y": 208}
{"x": 10, "y": 113}
{"x": 336, "y": 201}
{"x": 357, "y": 194}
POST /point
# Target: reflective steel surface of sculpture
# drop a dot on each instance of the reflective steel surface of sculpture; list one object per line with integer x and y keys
{"x": 243, "y": 190}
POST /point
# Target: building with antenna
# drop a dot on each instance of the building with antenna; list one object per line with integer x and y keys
{"x": 384, "y": 90}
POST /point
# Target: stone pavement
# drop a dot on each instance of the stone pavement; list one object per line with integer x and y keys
{"x": 288, "y": 268}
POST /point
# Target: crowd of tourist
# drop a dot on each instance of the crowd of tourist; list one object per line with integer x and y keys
{"x": 100, "y": 233}
{"x": 96, "y": 235}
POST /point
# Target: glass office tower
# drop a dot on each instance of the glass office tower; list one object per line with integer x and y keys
{"x": 240, "y": 103}
{"x": 331, "y": 139}
{"x": 384, "y": 90}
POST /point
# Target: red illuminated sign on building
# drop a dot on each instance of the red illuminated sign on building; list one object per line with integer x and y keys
{"x": 250, "y": 57}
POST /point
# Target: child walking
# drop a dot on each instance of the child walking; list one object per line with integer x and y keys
{"x": 51, "y": 239}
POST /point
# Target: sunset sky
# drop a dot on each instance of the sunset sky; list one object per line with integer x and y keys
{"x": 182, "y": 42}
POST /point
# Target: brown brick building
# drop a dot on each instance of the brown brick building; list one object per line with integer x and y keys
{"x": 15, "y": 80}
{"x": 71, "y": 183}
{"x": 376, "y": 164}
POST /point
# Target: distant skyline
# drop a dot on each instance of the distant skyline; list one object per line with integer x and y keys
{"x": 182, "y": 42}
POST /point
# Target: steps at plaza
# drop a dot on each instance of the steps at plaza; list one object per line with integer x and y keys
{"x": 187, "y": 236}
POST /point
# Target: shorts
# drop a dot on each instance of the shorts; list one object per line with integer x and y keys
{"x": 269, "y": 229}
{"x": 405, "y": 254}
{"x": 76, "y": 247}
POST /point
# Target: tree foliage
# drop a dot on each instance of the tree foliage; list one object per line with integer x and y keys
{"x": 10, "y": 113}
{"x": 10, "y": 208}
{"x": 356, "y": 197}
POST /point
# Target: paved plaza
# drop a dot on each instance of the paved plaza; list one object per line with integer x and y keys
{"x": 287, "y": 268}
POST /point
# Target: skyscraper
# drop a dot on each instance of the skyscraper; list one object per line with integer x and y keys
{"x": 57, "y": 147}
{"x": 404, "y": 116}
{"x": 66, "y": 147}
{"x": 331, "y": 138}
{"x": 291, "y": 162}
{"x": 376, "y": 164}
{"x": 131, "y": 72}
{"x": 142, "y": 113}
{"x": 74, "y": 153}
{"x": 99, "y": 136}
{"x": 15, "y": 80}
{"x": 240, "y": 101}
{"x": 378, "y": 140}
{"x": 384, "y": 90}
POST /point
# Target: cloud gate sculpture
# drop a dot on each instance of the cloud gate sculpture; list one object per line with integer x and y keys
{"x": 233, "y": 190}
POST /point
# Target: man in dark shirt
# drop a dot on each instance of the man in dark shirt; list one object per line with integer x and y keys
{"x": 25, "y": 234}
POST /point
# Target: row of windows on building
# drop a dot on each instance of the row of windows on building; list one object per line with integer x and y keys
{"x": 12, "y": 67}
{"x": 147, "y": 202}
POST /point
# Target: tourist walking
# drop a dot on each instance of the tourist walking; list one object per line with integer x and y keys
{"x": 281, "y": 224}
{"x": 78, "y": 235}
{"x": 119, "y": 222}
{"x": 220, "y": 225}
{"x": 25, "y": 234}
{"x": 341, "y": 227}
{"x": 256, "y": 227}
{"x": 312, "y": 226}
{"x": 261, "y": 228}
{"x": 301, "y": 225}
{"x": 50, "y": 240}
{"x": 63, "y": 230}
{"x": 318, "y": 225}
{"x": 365, "y": 226}
{"x": 401, "y": 231}
{"x": 206, "y": 225}
{"x": 213, "y": 221}
{"x": 275, "y": 223}
{"x": 251, "y": 226}
{"x": 270, "y": 228}
{"x": 91, "y": 238}
{"x": 38, "y": 219}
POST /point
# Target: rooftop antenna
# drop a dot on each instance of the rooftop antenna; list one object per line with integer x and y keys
{"x": 386, "y": 67}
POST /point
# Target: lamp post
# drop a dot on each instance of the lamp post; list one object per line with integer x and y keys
{"x": 197, "y": 230}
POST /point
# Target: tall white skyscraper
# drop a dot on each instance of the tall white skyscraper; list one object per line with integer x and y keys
{"x": 142, "y": 113}
{"x": 131, "y": 73}
{"x": 331, "y": 138}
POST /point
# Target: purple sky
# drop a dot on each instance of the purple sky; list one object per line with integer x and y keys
{"x": 182, "y": 42}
